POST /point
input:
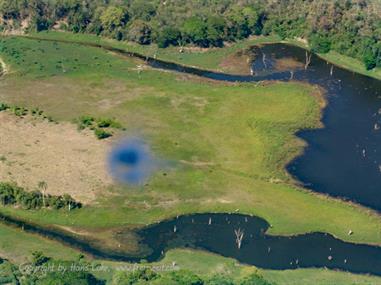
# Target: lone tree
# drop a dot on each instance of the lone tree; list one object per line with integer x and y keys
{"x": 42, "y": 185}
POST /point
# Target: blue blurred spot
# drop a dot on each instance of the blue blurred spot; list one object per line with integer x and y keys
{"x": 131, "y": 161}
{"x": 129, "y": 157}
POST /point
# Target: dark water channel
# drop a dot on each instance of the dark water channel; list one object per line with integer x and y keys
{"x": 343, "y": 159}
{"x": 216, "y": 233}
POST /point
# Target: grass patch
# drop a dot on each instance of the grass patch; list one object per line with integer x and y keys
{"x": 203, "y": 58}
{"x": 351, "y": 64}
{"x": 18, "y": 246}
{"x": 318, "y": 277}
{"x": 42, "y": 59}
{"x": 207, "y": 264}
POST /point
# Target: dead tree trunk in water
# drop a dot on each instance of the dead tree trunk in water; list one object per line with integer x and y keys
{"x": 239, "y": 237}
{"x": 264, "y": 59}
{"x": 308, "y": 60}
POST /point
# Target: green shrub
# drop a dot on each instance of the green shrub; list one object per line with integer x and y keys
{"x": 38, "y": 258}
{"x": 36, "y": 111}
{"x": 98, "y": 125}
{"x": 3, "y": 107}
{"x": 102, "y": 134}
{"x": 320, "y": 43}
{"x": 84, "y": 122}
{"x": 184, "y": 277}
{"x": 64, "y": 277}
{"x": 220, "y": 280}
{"x": 8, "y": 193}
{"x": 19, "y": 111}
{"x": 255, "y": 279}
{"x": 141, "y": 276}
{"x": 108, "y": 123}
{"x": 370, "y": 60}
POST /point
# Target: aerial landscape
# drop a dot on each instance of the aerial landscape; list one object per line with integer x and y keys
{"x": 198, "y": 142}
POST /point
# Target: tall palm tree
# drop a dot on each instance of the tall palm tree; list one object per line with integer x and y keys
{"x": 42, "y": 185}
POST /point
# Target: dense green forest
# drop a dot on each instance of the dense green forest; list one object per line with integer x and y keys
{"x": 350, "y": 27}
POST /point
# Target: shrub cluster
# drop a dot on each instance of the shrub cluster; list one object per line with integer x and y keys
{"x": 100, "y": 126}
{"x": 22, "y": 111}
{"x": 11, "y": 194}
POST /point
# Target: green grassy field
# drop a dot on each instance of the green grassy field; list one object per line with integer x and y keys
{"x": 18, "y": 246}
{"x": 203, "y": 58}
{"x": 206, "y": 264}
{"x": 226, "y": 144}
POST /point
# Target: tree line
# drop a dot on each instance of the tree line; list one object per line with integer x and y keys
{"x": 350, "y": 27}
{"x": 11, "y": 194}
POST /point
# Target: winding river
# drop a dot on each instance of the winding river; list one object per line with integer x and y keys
{"x": 343, "y": 159}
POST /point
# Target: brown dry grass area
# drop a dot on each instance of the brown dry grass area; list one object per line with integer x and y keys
{"x": 238, "y": 63}
{"x": 123, "y": 239}
{"x": 285, "y": 64}
{"x": 85, "y": 96}
{"x": 72, "y": 162}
